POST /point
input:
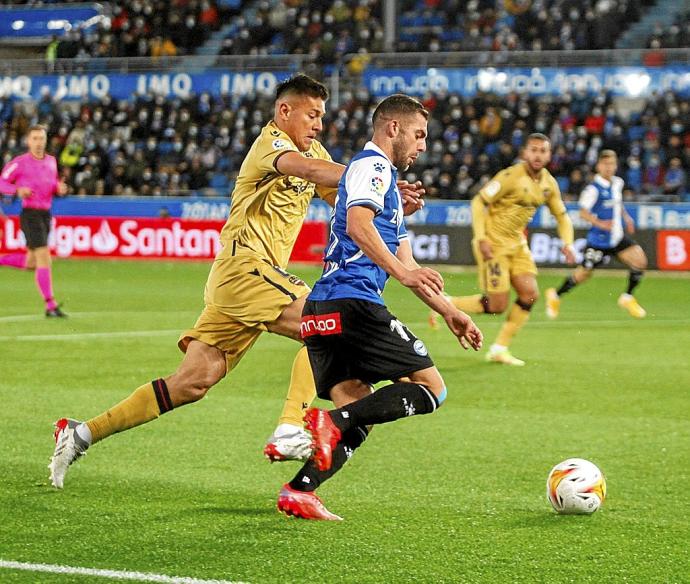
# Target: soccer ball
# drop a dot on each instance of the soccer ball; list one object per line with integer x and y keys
{"x": 576, "y": 487}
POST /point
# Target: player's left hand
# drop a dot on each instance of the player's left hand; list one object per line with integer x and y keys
{"x": 463, "y": 327}
{"x": 569, "y": 254}
{"x": 62, "y": 189}
{"x": 411, "y": 194}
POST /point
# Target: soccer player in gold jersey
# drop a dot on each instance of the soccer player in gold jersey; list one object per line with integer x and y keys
{"x": 248, "y": 290}
{"x": 501, "y": 212}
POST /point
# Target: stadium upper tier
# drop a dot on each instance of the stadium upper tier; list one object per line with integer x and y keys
{"x": 176, "y": 146}
{"x": 328, "y": 29}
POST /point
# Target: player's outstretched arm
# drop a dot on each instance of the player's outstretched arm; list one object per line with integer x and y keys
{"x": 360, "y": 227}
{"x": 320, "y": 172}
{"x": 460, "y": 324}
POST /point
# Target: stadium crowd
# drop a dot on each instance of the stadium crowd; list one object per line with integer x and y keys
{"x": 152, "y": 146}
{"x": 675, "y": 36}
{"x": 328, "y": 29}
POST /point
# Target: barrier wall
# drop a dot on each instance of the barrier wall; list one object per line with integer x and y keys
{"x": 467, "y": 81}
{"x": 440, "y": 233}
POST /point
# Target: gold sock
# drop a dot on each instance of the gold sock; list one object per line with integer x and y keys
{"x": 472, "y": 304}
{"x": 145, "y": 404}
{"x": 302, "y": 390}
{"x": 516, "y": 319}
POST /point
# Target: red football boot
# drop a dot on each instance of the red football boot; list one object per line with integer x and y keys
{"x": 325, "y": 435}
{"x": 303, "y": 505}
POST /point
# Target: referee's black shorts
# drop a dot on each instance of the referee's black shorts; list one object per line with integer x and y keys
{"x": 356, "y": 339}
{"x": 35, "y": 224}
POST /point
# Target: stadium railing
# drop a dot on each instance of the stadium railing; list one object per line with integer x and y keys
{"x": 620, "y": 57}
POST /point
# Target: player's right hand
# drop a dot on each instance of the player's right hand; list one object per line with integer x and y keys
{"x": 463, "y": 327}
{"x": 23, "y": 192}
{"x": 485, "y": 249}
{"x": 427, "y": 281}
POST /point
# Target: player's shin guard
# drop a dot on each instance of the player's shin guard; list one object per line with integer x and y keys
{"x": 389, "y": 403}
{"x": 634, "y": 278}
{"x": 518, "y": 316}
{"x": 145, "y": 404}
{"x": 301, "y": 392}
{"x": 310, "y": 477}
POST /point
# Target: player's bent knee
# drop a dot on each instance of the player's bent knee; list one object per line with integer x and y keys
{"x": 495, "y": 306}
{"x": 527, "y": 303}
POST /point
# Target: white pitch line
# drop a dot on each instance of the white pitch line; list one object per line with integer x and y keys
{"x": 112, "y": 574}
{"x": 89, "y": 336}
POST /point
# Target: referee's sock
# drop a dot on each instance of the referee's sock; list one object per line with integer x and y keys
{"x": 14, "y": 260}
{"x": 44, "y": 283}
{"x": 310, "y": 477}
{"x": 389, "y": 403}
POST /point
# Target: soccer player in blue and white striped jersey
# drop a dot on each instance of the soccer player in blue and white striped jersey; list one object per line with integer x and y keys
{"x": 601, "y": 203}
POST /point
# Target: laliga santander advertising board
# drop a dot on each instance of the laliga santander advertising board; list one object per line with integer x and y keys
{"x": 147, "y": 238}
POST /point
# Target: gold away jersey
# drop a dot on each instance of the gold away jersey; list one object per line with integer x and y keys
{"x": 513, "y": 198}
{"x": 268, "y": 208}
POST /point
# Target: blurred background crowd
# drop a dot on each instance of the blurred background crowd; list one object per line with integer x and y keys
{"x": 149, "y": 145}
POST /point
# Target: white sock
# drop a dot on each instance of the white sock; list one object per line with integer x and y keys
{"x": 286, "y": 430}
{"x": 498, "y": 348}
{"x": 84, "y": 433}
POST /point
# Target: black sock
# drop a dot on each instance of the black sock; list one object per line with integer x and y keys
{"x": 567, "y": 286}
{"x": 310, "y": 477}
{"x": 389, "y": 403}
{"x": 634, "y": 278}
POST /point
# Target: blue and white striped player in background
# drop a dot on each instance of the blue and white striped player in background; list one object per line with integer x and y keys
{"x": 601, "y": 203}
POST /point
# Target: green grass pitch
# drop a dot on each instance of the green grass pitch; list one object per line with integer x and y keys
{"x": 454, "y": 497}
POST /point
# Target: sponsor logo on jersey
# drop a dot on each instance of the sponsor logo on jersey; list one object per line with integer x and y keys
{"x": 420, "y": 348}
{"x": 280, "y": 144}
{"x": 379, "y": 167}
{"x": 320, "y": 324}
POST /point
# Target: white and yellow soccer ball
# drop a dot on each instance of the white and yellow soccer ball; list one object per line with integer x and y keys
{"x": 576, "y": 487}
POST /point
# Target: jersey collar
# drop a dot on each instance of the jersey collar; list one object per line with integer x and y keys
{"x": 371, "y": 146}
{"x": 602, "y": 181}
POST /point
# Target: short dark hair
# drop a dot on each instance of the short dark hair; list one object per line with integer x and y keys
{"x": 538, "y": 136}
{"x": 301, "y": 84}
{"x": 399, "y": 104}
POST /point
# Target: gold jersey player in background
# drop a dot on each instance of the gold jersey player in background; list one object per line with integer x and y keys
{"x": 501, "y": 212}
{"x": 248, "y": 290}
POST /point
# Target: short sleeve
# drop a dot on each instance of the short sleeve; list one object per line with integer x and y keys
{"x": 588, "y": 197}
{"x": 271, "y": 145}
{"x": 367, "y": 181}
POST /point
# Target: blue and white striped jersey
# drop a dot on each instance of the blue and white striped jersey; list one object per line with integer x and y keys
{"x": 605, "y": 200}
{"x": 368, "y": 180}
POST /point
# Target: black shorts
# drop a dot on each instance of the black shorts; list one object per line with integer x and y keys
{"x": 595, "y": 256}
{"x": 35, "y": 224}
{"x": 357, "y": 339}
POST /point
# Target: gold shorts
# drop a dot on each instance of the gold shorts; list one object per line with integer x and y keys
{"x": 509, "y": 260}
{"x": 243, "y": 294}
